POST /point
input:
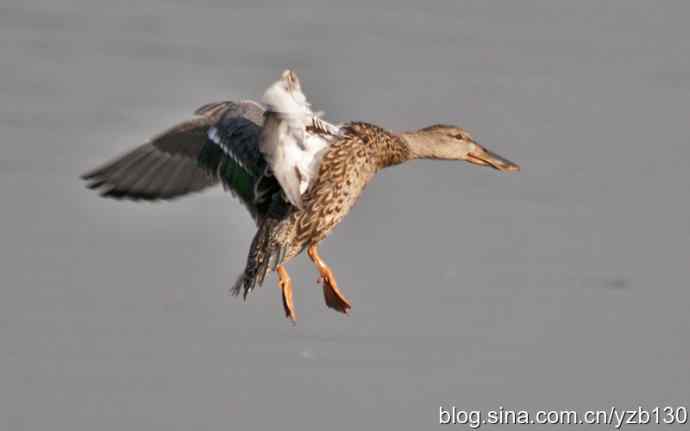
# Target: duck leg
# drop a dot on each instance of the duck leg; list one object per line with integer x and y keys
{"x": 334, "y": 299}
{"x": 285, "y": 285}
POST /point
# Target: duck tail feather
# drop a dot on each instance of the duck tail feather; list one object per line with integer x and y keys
{"x": 264, "y": 255}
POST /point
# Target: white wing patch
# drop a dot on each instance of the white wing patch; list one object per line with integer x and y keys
{"x": 292, "y": 151}
{"x": 214, "y": 136}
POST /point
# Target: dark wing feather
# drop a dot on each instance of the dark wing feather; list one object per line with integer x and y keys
{"x": 232, "y": 154}
{"x": 184, "y": 160}
{"x": 159, "y": 169}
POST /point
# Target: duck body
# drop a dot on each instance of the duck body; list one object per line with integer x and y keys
{"x": 346, "y": 168}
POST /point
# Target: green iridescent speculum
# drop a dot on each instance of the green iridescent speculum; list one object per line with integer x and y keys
{"x": 213, "y": 158}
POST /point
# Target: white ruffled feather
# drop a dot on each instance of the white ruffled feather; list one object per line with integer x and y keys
{"x": 292, "y": 152}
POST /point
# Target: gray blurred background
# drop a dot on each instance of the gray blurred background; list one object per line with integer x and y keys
{"x": 562, "y": 287}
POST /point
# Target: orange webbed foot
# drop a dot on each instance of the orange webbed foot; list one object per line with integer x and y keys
{"x": 285, "y": 284}
{"x": 333, "y": 297}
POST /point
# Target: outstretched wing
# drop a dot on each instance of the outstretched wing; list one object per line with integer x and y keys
{"x": 220, "y": 144}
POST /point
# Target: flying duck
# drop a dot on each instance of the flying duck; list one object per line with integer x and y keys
{"x": 297, "y": 174}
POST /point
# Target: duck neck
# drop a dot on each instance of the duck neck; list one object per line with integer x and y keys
{"x": 419, "y": 145}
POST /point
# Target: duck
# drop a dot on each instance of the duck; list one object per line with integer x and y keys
{"x": 297, "y": 174}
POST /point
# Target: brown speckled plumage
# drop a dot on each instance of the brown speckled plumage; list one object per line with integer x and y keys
{"x": 345, "y": 170}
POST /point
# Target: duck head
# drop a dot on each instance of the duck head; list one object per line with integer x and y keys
{"x": 444, "y": 142}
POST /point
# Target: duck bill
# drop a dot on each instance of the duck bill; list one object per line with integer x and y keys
{"x": 483, "y": 157}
